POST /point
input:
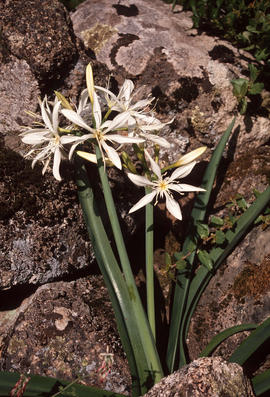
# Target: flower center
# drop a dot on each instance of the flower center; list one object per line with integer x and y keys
{"x": 163, "y": 186}
{"x": 98, "y": 135}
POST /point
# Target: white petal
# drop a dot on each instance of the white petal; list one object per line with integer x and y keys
{"x": 158, "y": 140}
{"x": 90, "y": 82}
{"x": 87, "y": 156}
{"x": 154, "y": 165}
{"x": 191, "y": 156}
{"x": 181, "y": 188}
{"x": 182, "y": 172}
{"x": 96, "y": 111}
{"x": 143, "y": 201}
{"x": 118, "y": 122}
{"x": 173, "y": 207}
{"x": 34, "y": 139}
{"x": 124, "y": 139}
{"x": 83, "y": 101}
{"x": 139, "y": 180}
{"x": 141, "y": 104}
{"x": 55, "y": 116}
{"x": 75, "y": 119}
{"x": 126, "y": 90}
{"x": 56, "y": 164}
{"x": 112, "y": 154}
{"x": 44, "y": 113}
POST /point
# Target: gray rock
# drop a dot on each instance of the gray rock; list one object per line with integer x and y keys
{"x": 64, "y": 330}
{"x": 190, "y": 74}
{"x": 209, "y": 377}
{"x": 19, "y": 91}
{"x": 43, "y": 37}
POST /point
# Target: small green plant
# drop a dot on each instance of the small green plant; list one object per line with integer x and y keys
{"x": 243, "y": 88}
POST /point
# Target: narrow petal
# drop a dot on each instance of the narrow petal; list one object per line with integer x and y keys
{"x": 182, "y": 187}
{"x": 191, "y": 156}
{"x": 124, "y": 139}
{"x": 34, "y": 139}
{"x": 83, "y": 101}
{"x": 119, "y": 121}
{"x": 97, "y": 111}
{"x": 112, "y": 154}
{"x": 126, "y": 90}
{"x": 45, "y": 116}
{"x": 90, "y": 82}
{"x": 154, "y": 165}
{"x": 55, "y": 116}
{"x": 139, "y": 180}
{"x": 182, "y": 172}
{"x": 56, "y": 164}
{"x": 87, "y": 156}
{"x": 158, "y": 140}
{"x": 141, "y": 104}
{"x": 143, "y": 201}
{"x": 173, "y": 207}
{"x": 76, "y": 119}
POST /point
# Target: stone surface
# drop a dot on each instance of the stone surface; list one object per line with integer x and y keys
{"x": 19, "y": 91}
{"x": 63, "y": 331}
{"x": 44, "y": 37}
{"x": 240, "y": 291}
{"x": 43, "y": 236}
{"x": 188, "y": 73}
{"x": 209, "y": 377}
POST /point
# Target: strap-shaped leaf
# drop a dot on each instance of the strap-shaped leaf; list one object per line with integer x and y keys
{"x": 177, "y": 327}
{"x": 261, "y": 383}
{"x": 42, "y": 386}
{"x": 222, "y": 336}
{"x": 252, "y": 343}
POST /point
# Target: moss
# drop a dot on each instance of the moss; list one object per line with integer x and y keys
{"x": 96, "y": 37}
{"x": 253, "y": 281}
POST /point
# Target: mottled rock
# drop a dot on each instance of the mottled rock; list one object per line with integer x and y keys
{"x": 19, "y": 92}
{"x": 64, "y": 330}
{"x": 189, "y": 73}
{"x": 43, "y": 37}
{"x": 209, "y": 377}
{"x": 43, "y": 236}
{"x": 239, "y": 293}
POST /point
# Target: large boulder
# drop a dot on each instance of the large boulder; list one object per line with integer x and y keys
{"x": 204, "y": 377}
{"x": 65, "y": 330}
{"x": 189, "y": 73}
{"x": 43, "y": 37}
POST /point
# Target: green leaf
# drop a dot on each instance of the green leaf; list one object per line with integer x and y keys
{"x": 256, "y": 88}
{"x": 252, "y": 343}
{"x": 141, "y": 353}
{"x": 181, "y": 264}
{"x": 243, "y": 106}
{"x": 216, "y": 221}
{"x": 39, "y": 386}
{"x": 205, "y": 259}
{"x": 178, "y": 326}
{"x": 254, "y": 72}
{"x": 219, "y": 338}
{"x": 240, "y": 88}
{"x": 202, "y": 230}
{"x": 220, "y": 237}
{"x": 261, "y": 383}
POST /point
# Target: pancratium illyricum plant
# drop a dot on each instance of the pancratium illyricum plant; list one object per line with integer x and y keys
{"x": 90, "y": 131}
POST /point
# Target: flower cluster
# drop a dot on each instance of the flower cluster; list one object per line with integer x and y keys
{"x": 134, "y": 123}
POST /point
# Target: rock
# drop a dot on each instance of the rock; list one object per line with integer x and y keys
{"x": 19, "y": 91}
{"x": 43, "y": 236}
{"x": 44, "y": 37}
{"x": 209, "y": 377}
{"x": 64, "y": 330}
{"x": 239, "y": 293}
{"x": 188, "y": 73}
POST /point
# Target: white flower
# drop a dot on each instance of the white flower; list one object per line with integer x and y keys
{"x": 163, "y": 187}
{"x": 46, "y": 140}
{"x": 102, "y": 131}
{"x": 123, "y": 102}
